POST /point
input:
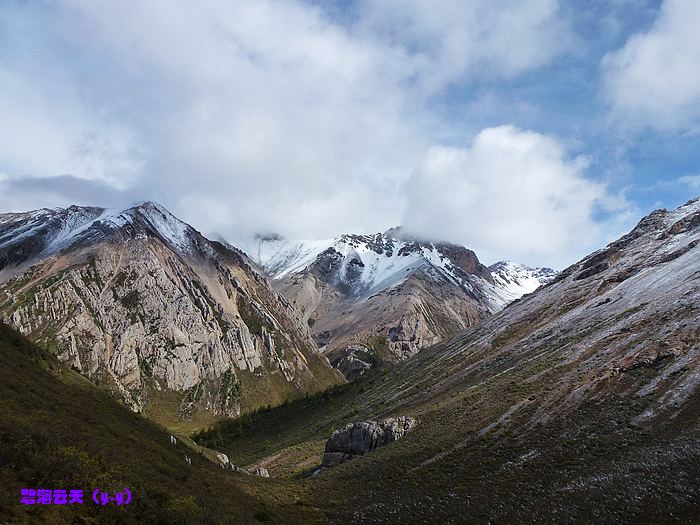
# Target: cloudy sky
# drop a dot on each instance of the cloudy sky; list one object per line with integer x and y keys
{"x": 533, "y": 130}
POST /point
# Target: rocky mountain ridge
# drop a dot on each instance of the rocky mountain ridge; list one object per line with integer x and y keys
{"x": 141, "y": 302}
{"x": 388, "y": 295}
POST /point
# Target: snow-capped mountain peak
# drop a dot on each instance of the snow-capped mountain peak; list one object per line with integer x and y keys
{"x": 364, "y": 264}
{"x": 355, "y": 288}
{"x": 45, "y": 232}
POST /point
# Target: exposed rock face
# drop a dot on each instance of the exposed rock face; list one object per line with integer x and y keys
{"x": 357, "y": 439}
{"x": 389, "y": 293}
{"x": 354, "y": 360}
{"x": 260, "y": 471}
{"x": 224, "y": 462}
{"x": 144, "y": 304}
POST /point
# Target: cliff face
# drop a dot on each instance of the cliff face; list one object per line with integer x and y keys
{"x": 173, "y": 323}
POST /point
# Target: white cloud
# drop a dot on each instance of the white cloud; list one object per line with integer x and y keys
{"x": 654, "y": 80}
{"x": 451, "y": 39}
{"x": 274, "y": 116}
{"x": 692, "y": 181}
{"x": 49, "y": 132}
{"x": 511, "y": 192}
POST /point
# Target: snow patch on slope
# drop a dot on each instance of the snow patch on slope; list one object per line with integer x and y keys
{"x": 690, "y": 207}
{"x": 75, "y": 225}
{"x": 513, "y": 280}
{"x": 379, "y": 271}
{"x": 166, "y": 224}
{"x": 280, "y": 257}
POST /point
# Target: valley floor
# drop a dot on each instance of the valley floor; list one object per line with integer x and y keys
{"x": 593, "y": 466}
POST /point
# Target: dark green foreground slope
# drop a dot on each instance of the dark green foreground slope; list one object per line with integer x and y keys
{"x": 58, "y": 431}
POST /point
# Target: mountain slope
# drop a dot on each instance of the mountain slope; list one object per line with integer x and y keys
{"x": 578, "y": 403}
{"x": 174, "y": 324}
{"x": 58, "y": 431}
{"x": 386, "y": 296}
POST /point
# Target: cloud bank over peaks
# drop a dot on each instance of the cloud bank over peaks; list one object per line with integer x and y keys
{"x": 304, "y": 118}
{"x": 513, "y": 192}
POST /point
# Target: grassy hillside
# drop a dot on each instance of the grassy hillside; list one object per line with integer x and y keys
{"x": 57, "y": 430}
{"x": 476, "y": 459}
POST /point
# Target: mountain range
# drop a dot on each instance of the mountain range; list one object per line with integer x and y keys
{"x": 577, "y": 402}
{"x": 384, "y": 297}
{"x": 189, "y": 329}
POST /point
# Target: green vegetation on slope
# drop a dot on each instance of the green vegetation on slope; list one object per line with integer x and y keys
{"x": 260, "y": 433}
{"x": 59, "y": 431}
{"x": 484, "y": 451}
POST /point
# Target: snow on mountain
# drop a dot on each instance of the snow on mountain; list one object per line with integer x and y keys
{"x": 364, "y": 263}
{"x": 172, "y": 229}
{"x": 279, "y": 257}
{"x": 370, "y": 263}
{"x": 513, "y": 280}
{"x": 48, "y": 231}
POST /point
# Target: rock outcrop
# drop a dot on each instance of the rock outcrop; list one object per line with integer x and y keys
{"x": 223, "y": 460}
{"x": 354, "y": 360}
{"x": 260, "y": 471}
{"x": 357, "y": 439}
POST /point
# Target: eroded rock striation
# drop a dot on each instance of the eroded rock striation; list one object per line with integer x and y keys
{"x": 356, "y": 439}
{"x": 143, "y": 304}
